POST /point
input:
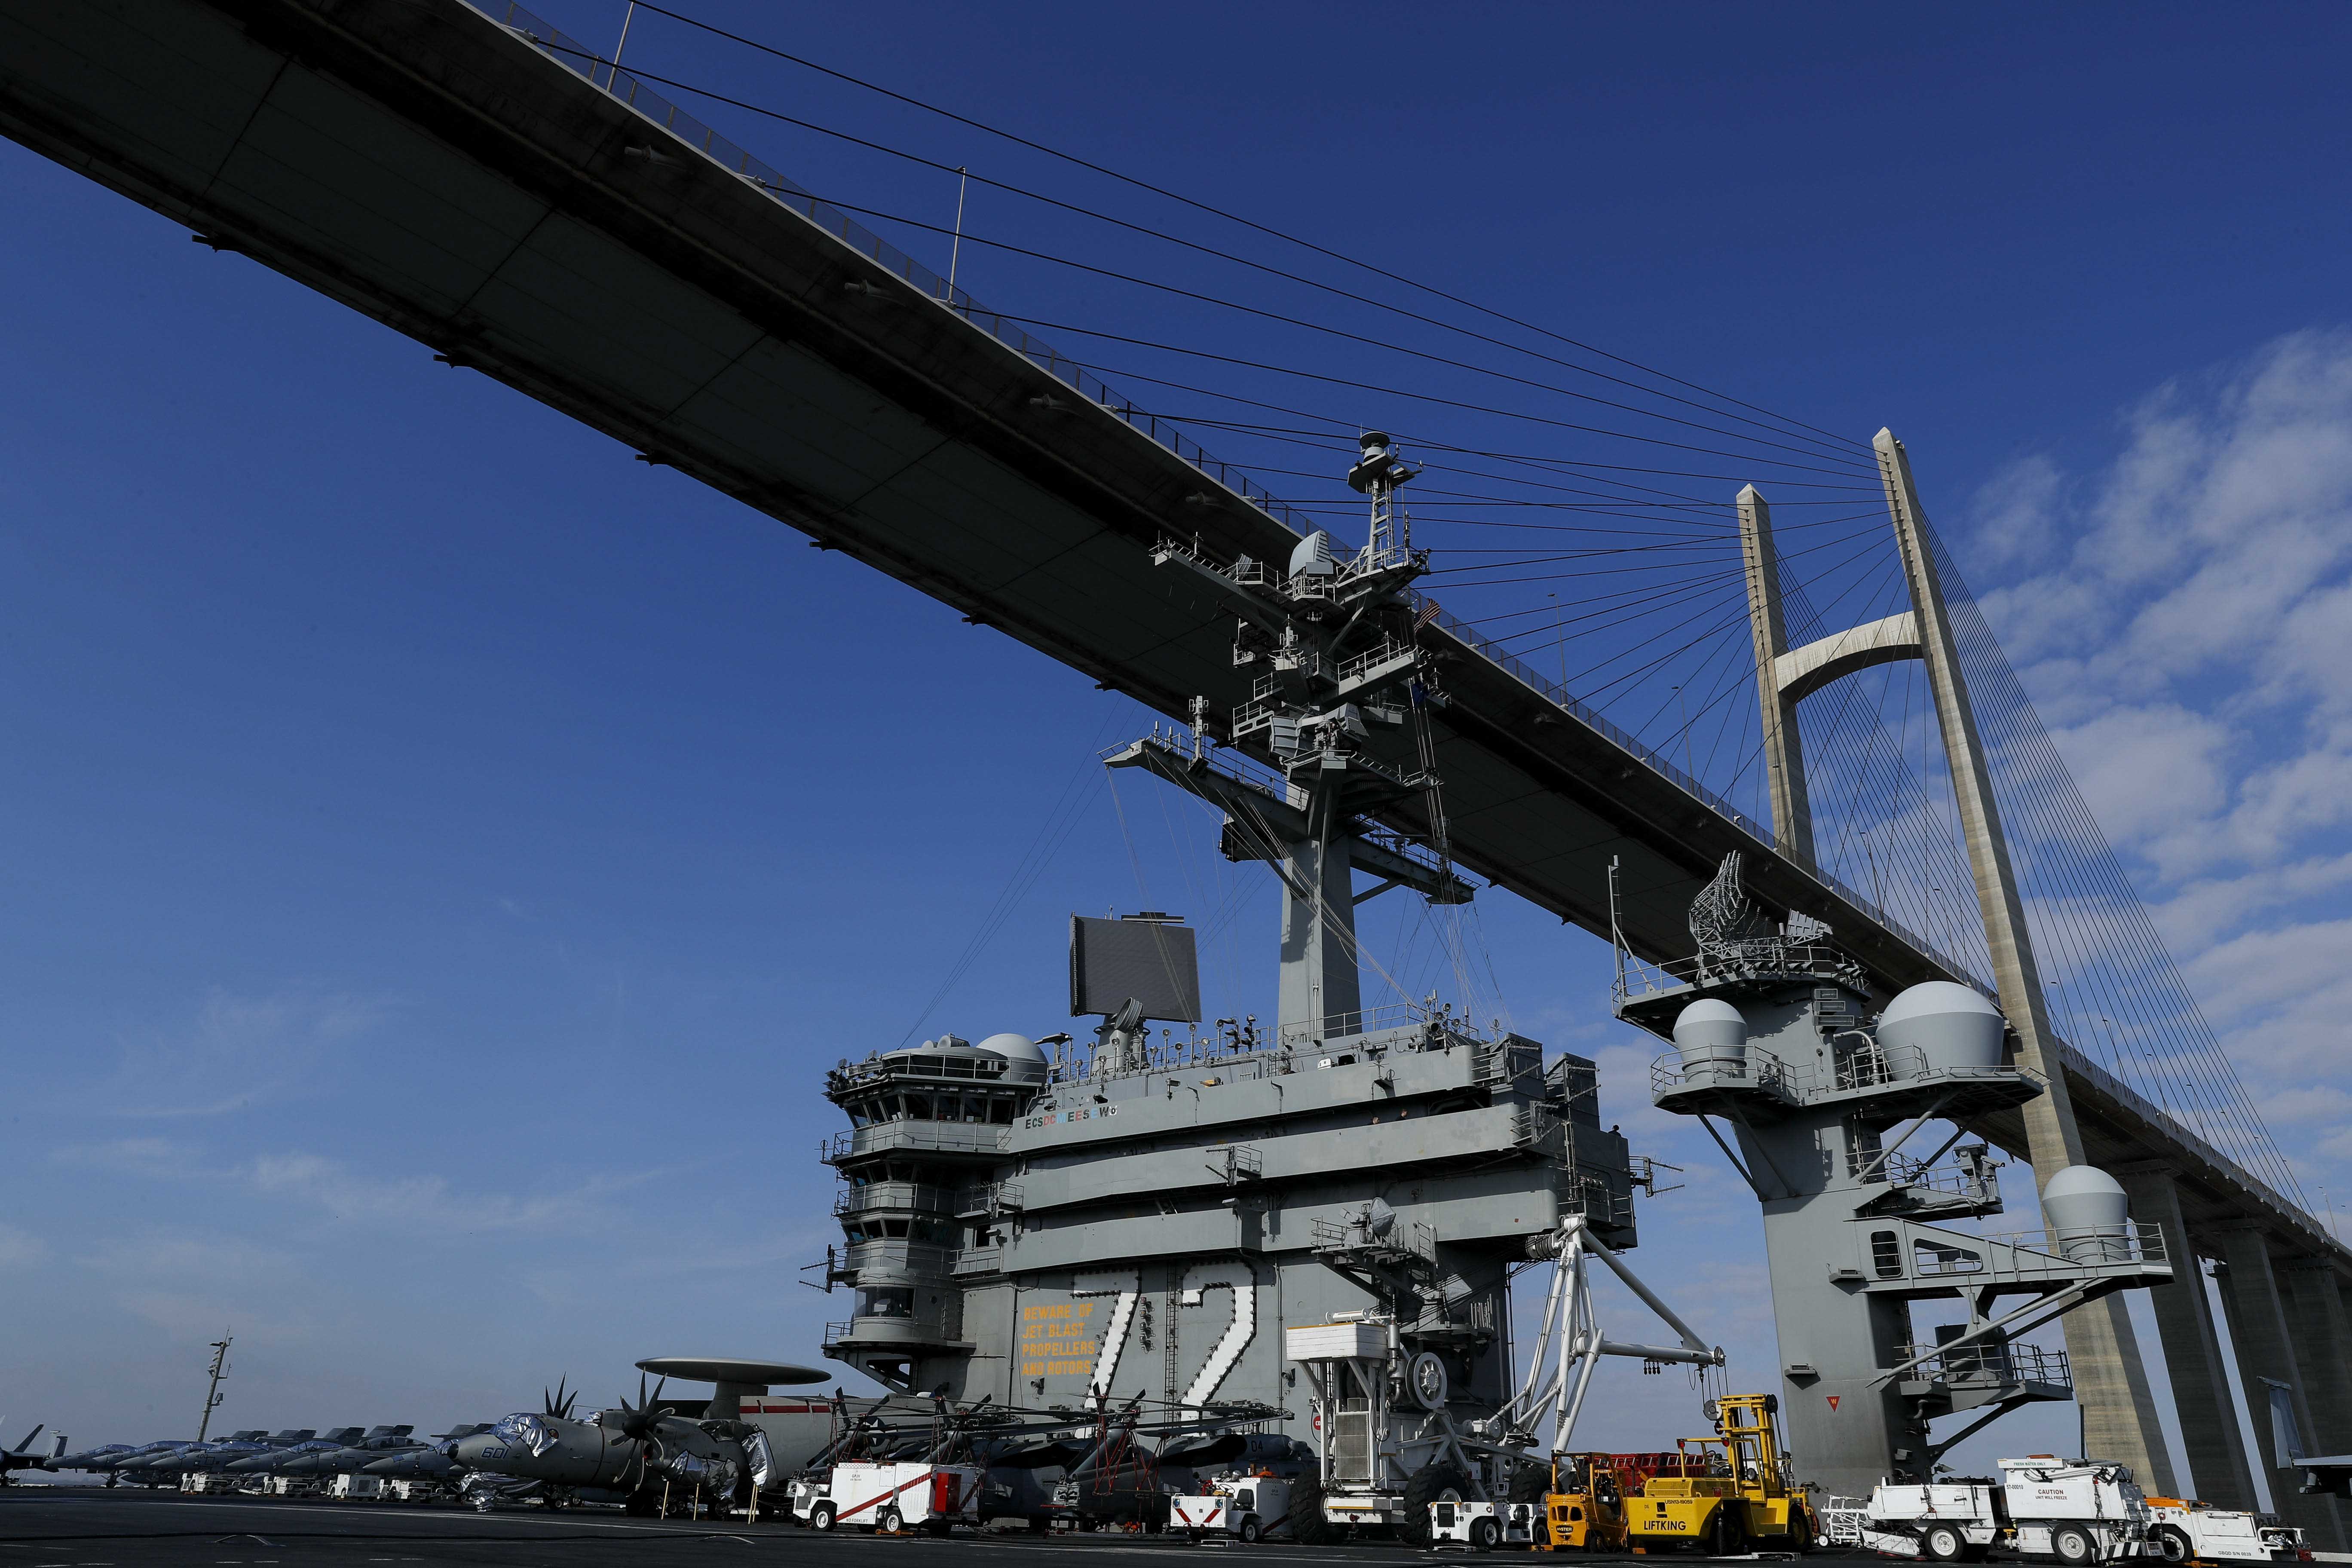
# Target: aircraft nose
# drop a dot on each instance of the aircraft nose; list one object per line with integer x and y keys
{"x": 254, "y": 1466}
{"x": 474, "y": 1451}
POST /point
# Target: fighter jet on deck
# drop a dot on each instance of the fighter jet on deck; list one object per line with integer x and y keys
{"x": 273, "y": 1461}
{"x": 22, "y": 1457}
{"x": 325, "y": 1458}
{"x": 425, "y": 1462}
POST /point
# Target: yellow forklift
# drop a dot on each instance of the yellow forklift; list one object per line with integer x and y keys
{"x": 1584, "y": 1509}
{"x": 1732, "y": 1495}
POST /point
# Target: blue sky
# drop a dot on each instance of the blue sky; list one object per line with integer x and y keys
{"x": 445, "y": 852}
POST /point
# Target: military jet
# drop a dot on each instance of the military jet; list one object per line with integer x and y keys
{"x": 425, "y": 1462}
{"x": 648, "y": 1451}
{"x": 88, "y": 1457}
{"x": 157, "y": 1461}
{"x": 22, "y": 1457}
{"x": 273, "y": 1461}
{"x": 325, "y": 1457}
{"x": 226, "y": 1454}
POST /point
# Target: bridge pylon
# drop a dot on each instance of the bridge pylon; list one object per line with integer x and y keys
{"x": 2110, "y": 1382}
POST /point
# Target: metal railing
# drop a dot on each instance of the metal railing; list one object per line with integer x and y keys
{"x": 1759, "y": 1068}
{"x": 1338, "y": 1029}
{"x": 1982, "y": 1361}
{"x": 897, "y": 1196}
{"x": 2029, "y": 1255}
{"x": 926, "y": 1137}
{"x": 1909, "y": 1171}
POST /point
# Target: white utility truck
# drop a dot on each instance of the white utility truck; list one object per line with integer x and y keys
{"x": 1247, "y": 1508}
{"x": 2073, "y": 1511}
{"x": 891, "y": 1497}
{"x": 1484, "y": 1525}
{"x": 2180, "y": 1530}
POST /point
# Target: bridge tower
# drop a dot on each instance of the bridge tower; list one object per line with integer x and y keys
{"x": 2110, "y": 1383}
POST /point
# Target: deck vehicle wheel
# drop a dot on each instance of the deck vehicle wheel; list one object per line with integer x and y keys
{"x": 1196, "y": 1536}
{"x": 2167, "y": 1543}
{"x": 1727, "y": 1535}
{"x": 939, "y": 1527}
{"x": 2071, "y": 1544}
{"x": 1250, "y": 1531}
{"x": 1486, "y": 1534}
{"x": 1434, "y": 1482}
{"x": 1942, "y": 1543}
{"x": 822, "y": 1516}
{"x": 889, "y": 1521}
{"x": 1308, "y": 1525}
{"x": 1039, "y": 1524}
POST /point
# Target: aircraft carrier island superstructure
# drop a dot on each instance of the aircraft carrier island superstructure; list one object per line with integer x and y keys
{"x": 1145, "y": 1217}
{"x": 1135, "y": 1216}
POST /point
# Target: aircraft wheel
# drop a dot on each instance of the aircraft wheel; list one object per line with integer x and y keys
{"x": 821, "y": 1517}
{"x": 2168, "y": 1544}
{"x": 1942, "y": 1543}
{"x": 1486, "y": 1534}
{"x": 889, "y": 1521}
{"x": 1249, "y": 1531}
{"x": 2071, "y": 1544}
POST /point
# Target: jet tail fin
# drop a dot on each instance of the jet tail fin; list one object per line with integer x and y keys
{"x": 57, "y": 1446}
{"x": 27, "y": 1445}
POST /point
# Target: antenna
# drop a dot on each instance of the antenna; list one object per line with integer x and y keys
{"x": 1377, "y": 474}
{"x": 1616, "y": 931}
{"x": 213, "y": 1395}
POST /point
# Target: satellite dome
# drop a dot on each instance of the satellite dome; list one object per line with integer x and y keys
{"x": 1027, "y": 1057}
{"x": 1952, "y": 1026}
{"x": 2087, "y": 1212}
{"x": 1711, "y": 1032}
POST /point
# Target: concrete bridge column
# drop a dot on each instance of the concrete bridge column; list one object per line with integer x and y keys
{"x": 2119, "y": 1419}
{"x": 2265, "y": 1346}
{"x": 2320, "y": 1331}
{"x": 2214, "y": 1443}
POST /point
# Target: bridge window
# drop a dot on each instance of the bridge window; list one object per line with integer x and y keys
{"x": 1886, "y": 1254}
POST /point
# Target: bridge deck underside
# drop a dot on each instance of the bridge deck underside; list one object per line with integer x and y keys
{"x": 429, "y": 168}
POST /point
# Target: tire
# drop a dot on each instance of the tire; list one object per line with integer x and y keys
{"x": 1249, "y": 1531}
{"x": 941, "y": 1527}
{"x": 1486, "y": 1534}
{"x": 1434, "y": 1482}
{"x": 889, "y": 1521}
{"x": 1943, "y": 1543}
{"x": 1196, "y": 1536}
{"x": 1039, "y": 1524}
{"x": 1727, "y": 1534}
{"x": 1308, "y": 1525}
{"x": 2168, "y": 1543}
{"x": 821, "y": 1517}
{"x": 1529, "y": 1483}
{"x": 2071, "y": 1544}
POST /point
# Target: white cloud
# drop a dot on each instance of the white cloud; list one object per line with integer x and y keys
{"x": 21, "y": 1249}
{"x": 243, "y": 1050}
{"x": 2183, "y": 617}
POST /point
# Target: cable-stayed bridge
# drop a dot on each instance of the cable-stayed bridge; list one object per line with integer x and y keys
{"x": 505, "y": 196}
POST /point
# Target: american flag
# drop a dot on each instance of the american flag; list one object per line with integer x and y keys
{"x": 1429, "y": 612}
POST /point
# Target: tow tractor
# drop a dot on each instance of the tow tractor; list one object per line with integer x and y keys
{"x": 891, "y": 1497}
{"x": 1731, "y": 1493}
{"x": 2180, "y": 1530}
{"x": 1246, "y": 1508}
{"x": 2073, "y": 1512}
